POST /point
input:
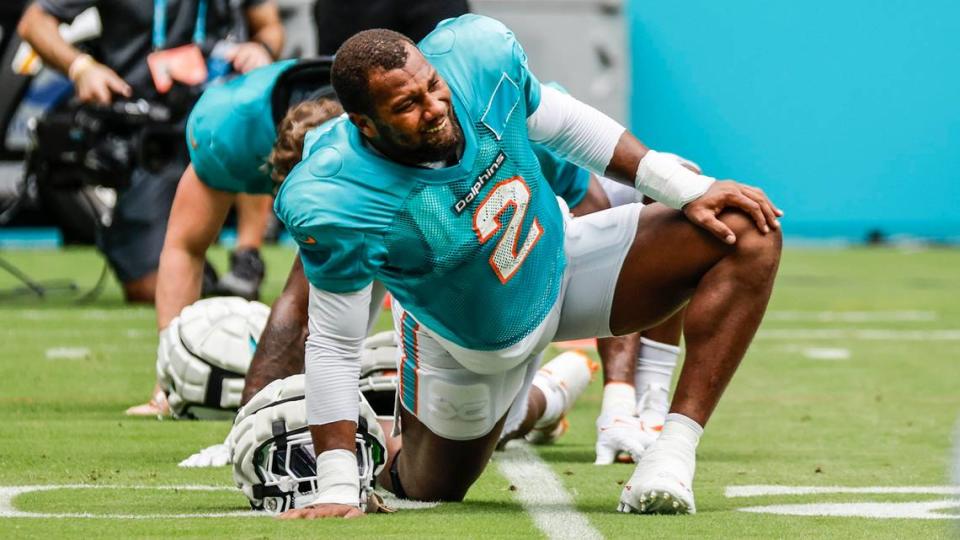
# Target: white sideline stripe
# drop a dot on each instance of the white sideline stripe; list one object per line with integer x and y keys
{"x": 543, "y": 496}
{"x": 8, "y": 494}
{"x": 86, "y": 314}
{"x": 67, "y": 353}
{"x": 868, "y": 334}
{"x": 852, "y": 316}
{"x": 768, "y": 490}
{"x": 906, "y": 510}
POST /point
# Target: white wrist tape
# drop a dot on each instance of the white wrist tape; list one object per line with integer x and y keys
{"x": 619, "y": 399}
{"x": 338, "y": 480}
{"x": 664, "y": 179}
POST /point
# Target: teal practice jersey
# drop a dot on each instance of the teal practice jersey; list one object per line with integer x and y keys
{"x": 567, "y": 179}
{"x": 473, "y": 251}
{"x": 231, "y": 132}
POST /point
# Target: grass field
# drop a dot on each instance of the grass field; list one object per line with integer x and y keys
{"x": 852, "y": 382}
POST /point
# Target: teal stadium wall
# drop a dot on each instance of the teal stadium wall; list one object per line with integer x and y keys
{"x": 846, "y": 113}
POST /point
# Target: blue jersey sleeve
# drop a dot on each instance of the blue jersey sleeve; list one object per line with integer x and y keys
{"x": 567, "y": 180}
{"x": 337, "y": 257}
{"x": 338, "y": 260}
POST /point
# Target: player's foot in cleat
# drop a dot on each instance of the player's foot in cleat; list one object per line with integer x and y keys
{"x": 157, "y": 406}
{"x": 561, "y": 380}
{"x": 662, "y": 483}
{"x": 548, "y": 434}
{"x": 245, "y": 275}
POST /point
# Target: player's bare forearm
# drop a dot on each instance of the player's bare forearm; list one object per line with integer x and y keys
{"x": 41, "y": 31}
{"x": 626, "y": 158}
{"x": 266, "y": 28}
{"x": 279, "y": 355}
{"x": 196, "y": 216}
{"x": 253, "y": 219}
{"x": 178, "y": 283}
{"x": 340, "y": 435}
{"x": 280, "y": 352}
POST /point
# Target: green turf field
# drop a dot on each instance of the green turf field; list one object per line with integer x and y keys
{"x": 852, "y": 382}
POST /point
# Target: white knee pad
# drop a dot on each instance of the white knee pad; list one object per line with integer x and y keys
{"x": 461, "y": 405}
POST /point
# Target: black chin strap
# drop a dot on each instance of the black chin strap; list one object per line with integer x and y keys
{"x": 395, "y": 478}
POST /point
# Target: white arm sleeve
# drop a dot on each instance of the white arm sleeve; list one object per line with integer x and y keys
{"x": 337, "y": 327}
{"x": 574, "y": 130}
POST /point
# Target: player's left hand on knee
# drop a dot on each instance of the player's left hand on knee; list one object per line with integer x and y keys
{"x": 321, "y": 511}
{"x": 728, "y": 194}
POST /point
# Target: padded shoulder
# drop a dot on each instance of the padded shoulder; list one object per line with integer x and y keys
{"x": 475, "y": 54}
{"x": 223, "y": 160}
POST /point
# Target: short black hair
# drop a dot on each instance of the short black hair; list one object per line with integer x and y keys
{"x": 378, "y": 48}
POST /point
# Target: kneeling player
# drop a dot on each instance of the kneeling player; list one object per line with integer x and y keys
{"x": 431, "y": 188}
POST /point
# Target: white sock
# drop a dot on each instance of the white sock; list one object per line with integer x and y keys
{"x": 680, "y": 437}
{"x": 562, "y": 380}
{"x": 655, "y": 364}
{"x": 681, "y": 428}
{"x": 554, "y": 398}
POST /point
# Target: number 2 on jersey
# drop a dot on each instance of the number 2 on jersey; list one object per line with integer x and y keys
{"x": 506, "y": 258}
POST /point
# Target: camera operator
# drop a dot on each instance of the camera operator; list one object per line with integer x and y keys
{"x": 337, "y": 20}
{"x": 144, "y": 46}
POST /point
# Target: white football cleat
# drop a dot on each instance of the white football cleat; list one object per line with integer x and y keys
{"x": 662, "y": 483}
{"x": 565, "y": 378}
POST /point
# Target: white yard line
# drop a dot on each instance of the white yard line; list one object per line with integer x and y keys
{"x": 863, "y": 334}
{"x": 85, "y": 314}
{"x": 826, "y": 353}
{"x": 863, "y": 509}
{"x": 773, "y": 490}
{"x": 884, "y": 510}
{"x": 852, "y": 316}
{"x": 9, "y": 510}
{"x": 543, "y": 496}
{"x": 67, "y": 353}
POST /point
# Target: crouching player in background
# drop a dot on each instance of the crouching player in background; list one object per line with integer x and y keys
{"x": 431, "y": 188}
{"x": 230, "y": 132}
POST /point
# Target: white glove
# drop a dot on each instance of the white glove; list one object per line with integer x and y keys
{"x": 620, "y": 433}
{"x": 618, "y": 430}
{"x": 217, "y": 455}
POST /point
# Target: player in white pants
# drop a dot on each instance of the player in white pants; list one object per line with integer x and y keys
{"x": 382, "y": 197}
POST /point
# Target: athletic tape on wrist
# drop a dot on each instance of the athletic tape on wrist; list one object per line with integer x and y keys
{"x": 665, "y": 180}
{"x": 338, "y": 481}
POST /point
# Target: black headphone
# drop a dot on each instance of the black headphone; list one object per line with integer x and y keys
{"x": 306, "y": 80}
